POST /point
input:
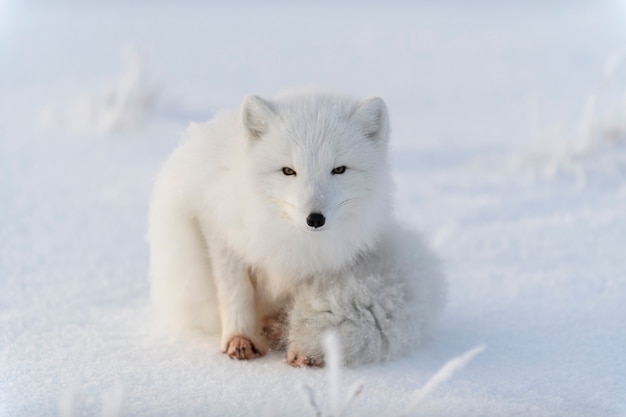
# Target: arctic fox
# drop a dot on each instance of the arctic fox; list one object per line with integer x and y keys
{"x": 272, "y": 224}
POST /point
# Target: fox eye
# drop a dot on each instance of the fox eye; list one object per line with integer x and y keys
{"x": 288, "y": 171}
{"x": 339, "y": 170}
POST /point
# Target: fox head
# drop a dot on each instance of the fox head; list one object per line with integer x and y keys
{"x": 318, "y": 165}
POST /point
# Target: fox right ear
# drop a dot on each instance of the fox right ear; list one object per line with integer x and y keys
{"x": 371, "y": 114}
{"x": 257, "y": 114}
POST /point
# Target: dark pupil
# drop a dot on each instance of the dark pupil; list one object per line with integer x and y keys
{"x": 288, "y": 171}
{"x": 339, "y": 170}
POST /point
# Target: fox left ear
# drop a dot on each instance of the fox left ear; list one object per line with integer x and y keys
{"x": 371, "y": 114}
{"x": 257, "y": 114}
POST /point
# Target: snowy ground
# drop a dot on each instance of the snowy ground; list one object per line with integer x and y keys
{"x": 535, "y": 250}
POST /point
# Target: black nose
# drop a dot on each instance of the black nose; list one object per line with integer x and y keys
{"x": 316, "y": 220}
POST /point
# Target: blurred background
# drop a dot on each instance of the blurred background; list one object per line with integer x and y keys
{"x": 455, "y": 70}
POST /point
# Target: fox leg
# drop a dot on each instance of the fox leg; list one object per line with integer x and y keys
{"x": 274, "y": 328}
{"x": 236, "y": 302}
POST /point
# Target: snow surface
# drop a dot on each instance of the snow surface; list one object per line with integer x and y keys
{"x": 536, "y": 263}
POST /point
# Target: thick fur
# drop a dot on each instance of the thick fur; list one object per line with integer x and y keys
{"x": 230, "y": 246}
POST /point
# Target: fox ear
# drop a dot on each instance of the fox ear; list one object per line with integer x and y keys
{"x": 257, "y": 114}
{"x": 371, "y": 115}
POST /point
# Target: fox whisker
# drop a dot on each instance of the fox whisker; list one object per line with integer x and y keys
{"x": 349, "y": 200}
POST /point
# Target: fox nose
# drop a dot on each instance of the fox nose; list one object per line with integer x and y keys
{"x": 316, "y": 220}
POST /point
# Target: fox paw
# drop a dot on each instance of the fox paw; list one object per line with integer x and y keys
{"x": 297, "y": 360}
{"x": 240, "y": 347}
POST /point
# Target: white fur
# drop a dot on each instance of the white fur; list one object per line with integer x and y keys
{"x": 230, "y": 243}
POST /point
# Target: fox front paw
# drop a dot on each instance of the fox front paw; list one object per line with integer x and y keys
{"x": 240, "y": 347}
{"x": 299, "y": 359}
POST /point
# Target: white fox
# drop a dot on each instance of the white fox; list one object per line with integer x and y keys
{"x": 272, "y": 224}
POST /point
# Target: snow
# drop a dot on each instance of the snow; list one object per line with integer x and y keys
{"x": 602, "y": 125}
{"x": 119, "y": 106}
{"x": 338, "y": 401}
{"x": 535, "y": 257}
{"x": 445, "y": 373}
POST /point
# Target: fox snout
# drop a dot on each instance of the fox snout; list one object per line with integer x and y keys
{"x": 316, "y": 220}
